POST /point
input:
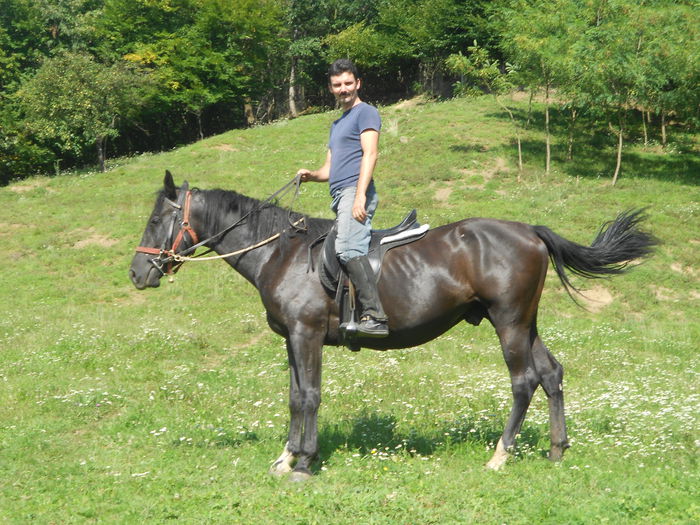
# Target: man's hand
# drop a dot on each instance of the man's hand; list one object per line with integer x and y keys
{"x": 320, "y": 175}
{"x": 358, "y": 208}
{"x": 305, "y": 175}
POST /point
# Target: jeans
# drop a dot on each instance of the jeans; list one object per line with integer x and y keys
{"x": 353, "y": 236}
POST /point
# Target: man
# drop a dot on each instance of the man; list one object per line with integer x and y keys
{"x": 349, "y": 168}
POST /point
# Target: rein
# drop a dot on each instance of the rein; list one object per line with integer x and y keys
{"x": 170, "y": 256}
{"x": 183, "y": 258}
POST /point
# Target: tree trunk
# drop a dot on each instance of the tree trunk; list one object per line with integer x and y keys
{"x": 663, "y": 128}
{"x": 529, "y": 109}
{"x": 198, "y": 115}
{"x": 570, "y": 148}
{"x": 517, "y": 136}
{"x": 546, "y": 127}
{"x": 248, "y": 111}
{"x": 644, "y": 129}
{"x": 619, "y": 150}
{"x": 293, "y": 90}
{"x": 101, "y": 143}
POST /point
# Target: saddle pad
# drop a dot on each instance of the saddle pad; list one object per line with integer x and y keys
{"x": 414, "y": 232}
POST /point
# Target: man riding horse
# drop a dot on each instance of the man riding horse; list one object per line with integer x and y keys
{"x": 349, "y": 169}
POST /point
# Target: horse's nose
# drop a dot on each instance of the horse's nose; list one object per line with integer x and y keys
{"x": 132, "y": 276}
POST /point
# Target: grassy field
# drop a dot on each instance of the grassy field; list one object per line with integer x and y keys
{"x": 120, "y": 406}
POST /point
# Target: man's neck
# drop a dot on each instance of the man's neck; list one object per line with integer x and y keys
{"x": 351, "y": 105}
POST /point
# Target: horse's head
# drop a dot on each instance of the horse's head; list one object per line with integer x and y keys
{"x": 167, "y": 233}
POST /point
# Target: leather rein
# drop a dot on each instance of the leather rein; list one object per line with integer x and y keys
{"x": 168, "y": 261}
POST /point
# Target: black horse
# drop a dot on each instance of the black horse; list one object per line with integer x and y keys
{"x": 469, "y": 270}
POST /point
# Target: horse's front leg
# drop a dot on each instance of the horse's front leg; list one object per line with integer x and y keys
{"x": 304, "y": 351}
{"x": 285, "y": 463}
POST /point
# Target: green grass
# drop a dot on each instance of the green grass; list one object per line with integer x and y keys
{"x": 120, "y": 406}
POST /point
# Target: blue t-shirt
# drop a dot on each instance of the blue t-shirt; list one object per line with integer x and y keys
{"x": 345, "y": 146}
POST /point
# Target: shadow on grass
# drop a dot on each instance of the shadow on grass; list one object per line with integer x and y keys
{"x": 380, "y": 432}
{"x": 469, "y": 148}
{"x": 595, "y": 150}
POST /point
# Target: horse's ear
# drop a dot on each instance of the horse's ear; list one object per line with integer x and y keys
{"x": 169, "y": 185}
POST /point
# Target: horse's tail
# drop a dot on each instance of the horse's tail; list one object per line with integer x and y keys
{"x": 618, "y": 243}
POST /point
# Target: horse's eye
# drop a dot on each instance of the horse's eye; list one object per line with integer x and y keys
{"x": 155, "y": 220}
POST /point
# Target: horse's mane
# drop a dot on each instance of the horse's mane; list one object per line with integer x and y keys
{"x": 267, "y": 218}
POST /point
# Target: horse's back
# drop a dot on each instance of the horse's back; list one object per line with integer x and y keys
{"x": 475, "y": 259}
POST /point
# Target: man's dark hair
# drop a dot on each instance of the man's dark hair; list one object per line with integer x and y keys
{"x": 343, "y": 65}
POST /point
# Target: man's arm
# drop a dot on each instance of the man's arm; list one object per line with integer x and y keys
{"x": 369, "y": 139}
{"x": 320, "y": 175}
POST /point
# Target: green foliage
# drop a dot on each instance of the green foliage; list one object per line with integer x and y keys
{"x": 211, "y": 60}
{"x": 77, "y": 102}
{"x": 22, "y": 42}
{"x": 480, "y": 73}
{"x": 201, "y": 53}
{"x": 418, "y": 33}
{"x": 20, "y": 155}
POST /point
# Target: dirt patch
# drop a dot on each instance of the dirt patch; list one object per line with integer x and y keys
{"x": 225, "y": 147}
{"x": 597, "y": 298}
{"x": 133, "y": 297}
{"x": 443, "y": 194}
{"x": 684, "y": 270}
{"x": 90, "y": 237}
{"x": 524, "y": 96}
{"x": 410, "y": 103}
{"x": 501, "y": 166}
{"x": 664, "y": 294}
{"x": 27, "y": 186}
{"x": 11, "y": 229}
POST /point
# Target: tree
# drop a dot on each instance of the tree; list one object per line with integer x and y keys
{"x": 669, "y": 41}
{"x": 202, "y": 53}
{"x": 481, "y": 73}
{"x": 78, "y": 102}
{"x": 22, "y": 45}
{"x": 537, "y": 36}
{"x": 413, "y": 37}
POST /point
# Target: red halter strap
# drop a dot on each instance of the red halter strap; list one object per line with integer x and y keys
{"x": 184, "y": 228}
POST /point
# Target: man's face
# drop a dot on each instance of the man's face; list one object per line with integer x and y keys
{"x": 344, "y": 87}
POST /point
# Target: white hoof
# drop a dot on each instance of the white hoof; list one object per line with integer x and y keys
{"x": 499, "y": 457}
{"x": 283, "y": 464}
{"x": 279, "y": 469}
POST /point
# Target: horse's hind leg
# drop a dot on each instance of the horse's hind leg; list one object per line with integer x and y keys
{"x": 515, "y": 341}
{"x": 551, "y": 378}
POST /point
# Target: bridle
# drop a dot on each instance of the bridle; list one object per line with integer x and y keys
{"x": 169, "y": 261}
{"x": 181, "y": 213}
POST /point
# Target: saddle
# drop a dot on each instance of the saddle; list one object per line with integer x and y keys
{"x": 330, "y": 270}
{"x": 335, "y": 280}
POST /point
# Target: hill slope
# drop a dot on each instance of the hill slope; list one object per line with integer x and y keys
{"x": 170, "y": 404}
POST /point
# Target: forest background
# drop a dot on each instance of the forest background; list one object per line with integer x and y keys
{"x": 84, "y": 80}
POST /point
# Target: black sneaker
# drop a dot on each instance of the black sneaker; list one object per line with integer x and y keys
{"x": 370, "y": 327}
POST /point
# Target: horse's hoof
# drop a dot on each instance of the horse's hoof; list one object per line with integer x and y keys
{"x": 279, "y": 470}
{"x": 299, "y": 476}
{"x": 500, "y": 456}
{"x": 556, "y": 452}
